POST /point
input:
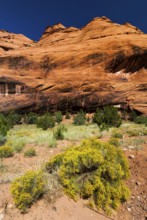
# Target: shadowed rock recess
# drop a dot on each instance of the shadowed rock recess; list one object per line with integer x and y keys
{"x": 69, "y": 68}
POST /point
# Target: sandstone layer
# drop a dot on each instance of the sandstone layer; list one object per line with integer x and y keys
{"x": 69, "y": 68}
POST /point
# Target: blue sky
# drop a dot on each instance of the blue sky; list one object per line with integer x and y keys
{"x": 30, "y": 17}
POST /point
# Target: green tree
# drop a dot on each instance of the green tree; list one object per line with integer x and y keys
{"x": 107, "y": 117}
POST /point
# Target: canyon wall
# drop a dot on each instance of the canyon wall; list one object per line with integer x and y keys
{"x": 69, "y": 68}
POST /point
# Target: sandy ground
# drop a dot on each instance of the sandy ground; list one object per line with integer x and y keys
{"x": 136, "y": 207}
{"x": 64, "y": 208}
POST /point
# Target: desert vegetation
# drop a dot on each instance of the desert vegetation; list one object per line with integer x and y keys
{"x": 89, "y": 160}
{"x": 93, "y": 170}
{"x": 27, "y": 189}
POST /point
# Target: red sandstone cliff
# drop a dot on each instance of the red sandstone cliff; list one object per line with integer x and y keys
{"x": 69, "y": 68}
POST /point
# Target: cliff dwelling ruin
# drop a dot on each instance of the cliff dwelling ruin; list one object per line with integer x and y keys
{"x": 10, "y": 88}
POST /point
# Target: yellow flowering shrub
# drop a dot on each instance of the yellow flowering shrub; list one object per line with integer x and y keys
{"x": 27, "y": 189}
{"x": 93, "y": 170}
{"x": 6, "y": 151}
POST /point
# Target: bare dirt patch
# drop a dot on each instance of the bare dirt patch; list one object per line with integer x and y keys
{"x": 136, "y": 207}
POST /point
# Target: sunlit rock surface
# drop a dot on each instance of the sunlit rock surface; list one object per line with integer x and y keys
{"x": 70, "y": 68}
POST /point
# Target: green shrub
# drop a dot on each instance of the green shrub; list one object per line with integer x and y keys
{"x": 31, "y": 118}
{"x": 27, "y": 189}
{"x": 6, "y": 151}
{"x": 67, "y": 115}
{"x": 114, "y": 141}
{"x": 80, "y": 118}
{"x": 59, "y": 132}
{"x": 46, "y": 121}
{"x": 117, "y": 135}
{"x": 58, "y": 116}
{"x": 141, "y": 120}
{"x": 7, "y": 122}
{"x": 4, "y": 125}
{"x": 93, "y": 170}
{"x": 3, "y": 118}
{"x": 107, "y": 117}
{"x": 30, "y": 152}
{"x": 3, "y": 129}
{"x": 2, "y": 139}
{"x": 13, "y": 118}
{"x": 133, "y": 115}
{"x": 98, "y": 117}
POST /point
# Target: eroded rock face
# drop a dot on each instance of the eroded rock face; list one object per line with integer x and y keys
{"x": 70, "y": 68}
{"x": 11, "y": 41}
